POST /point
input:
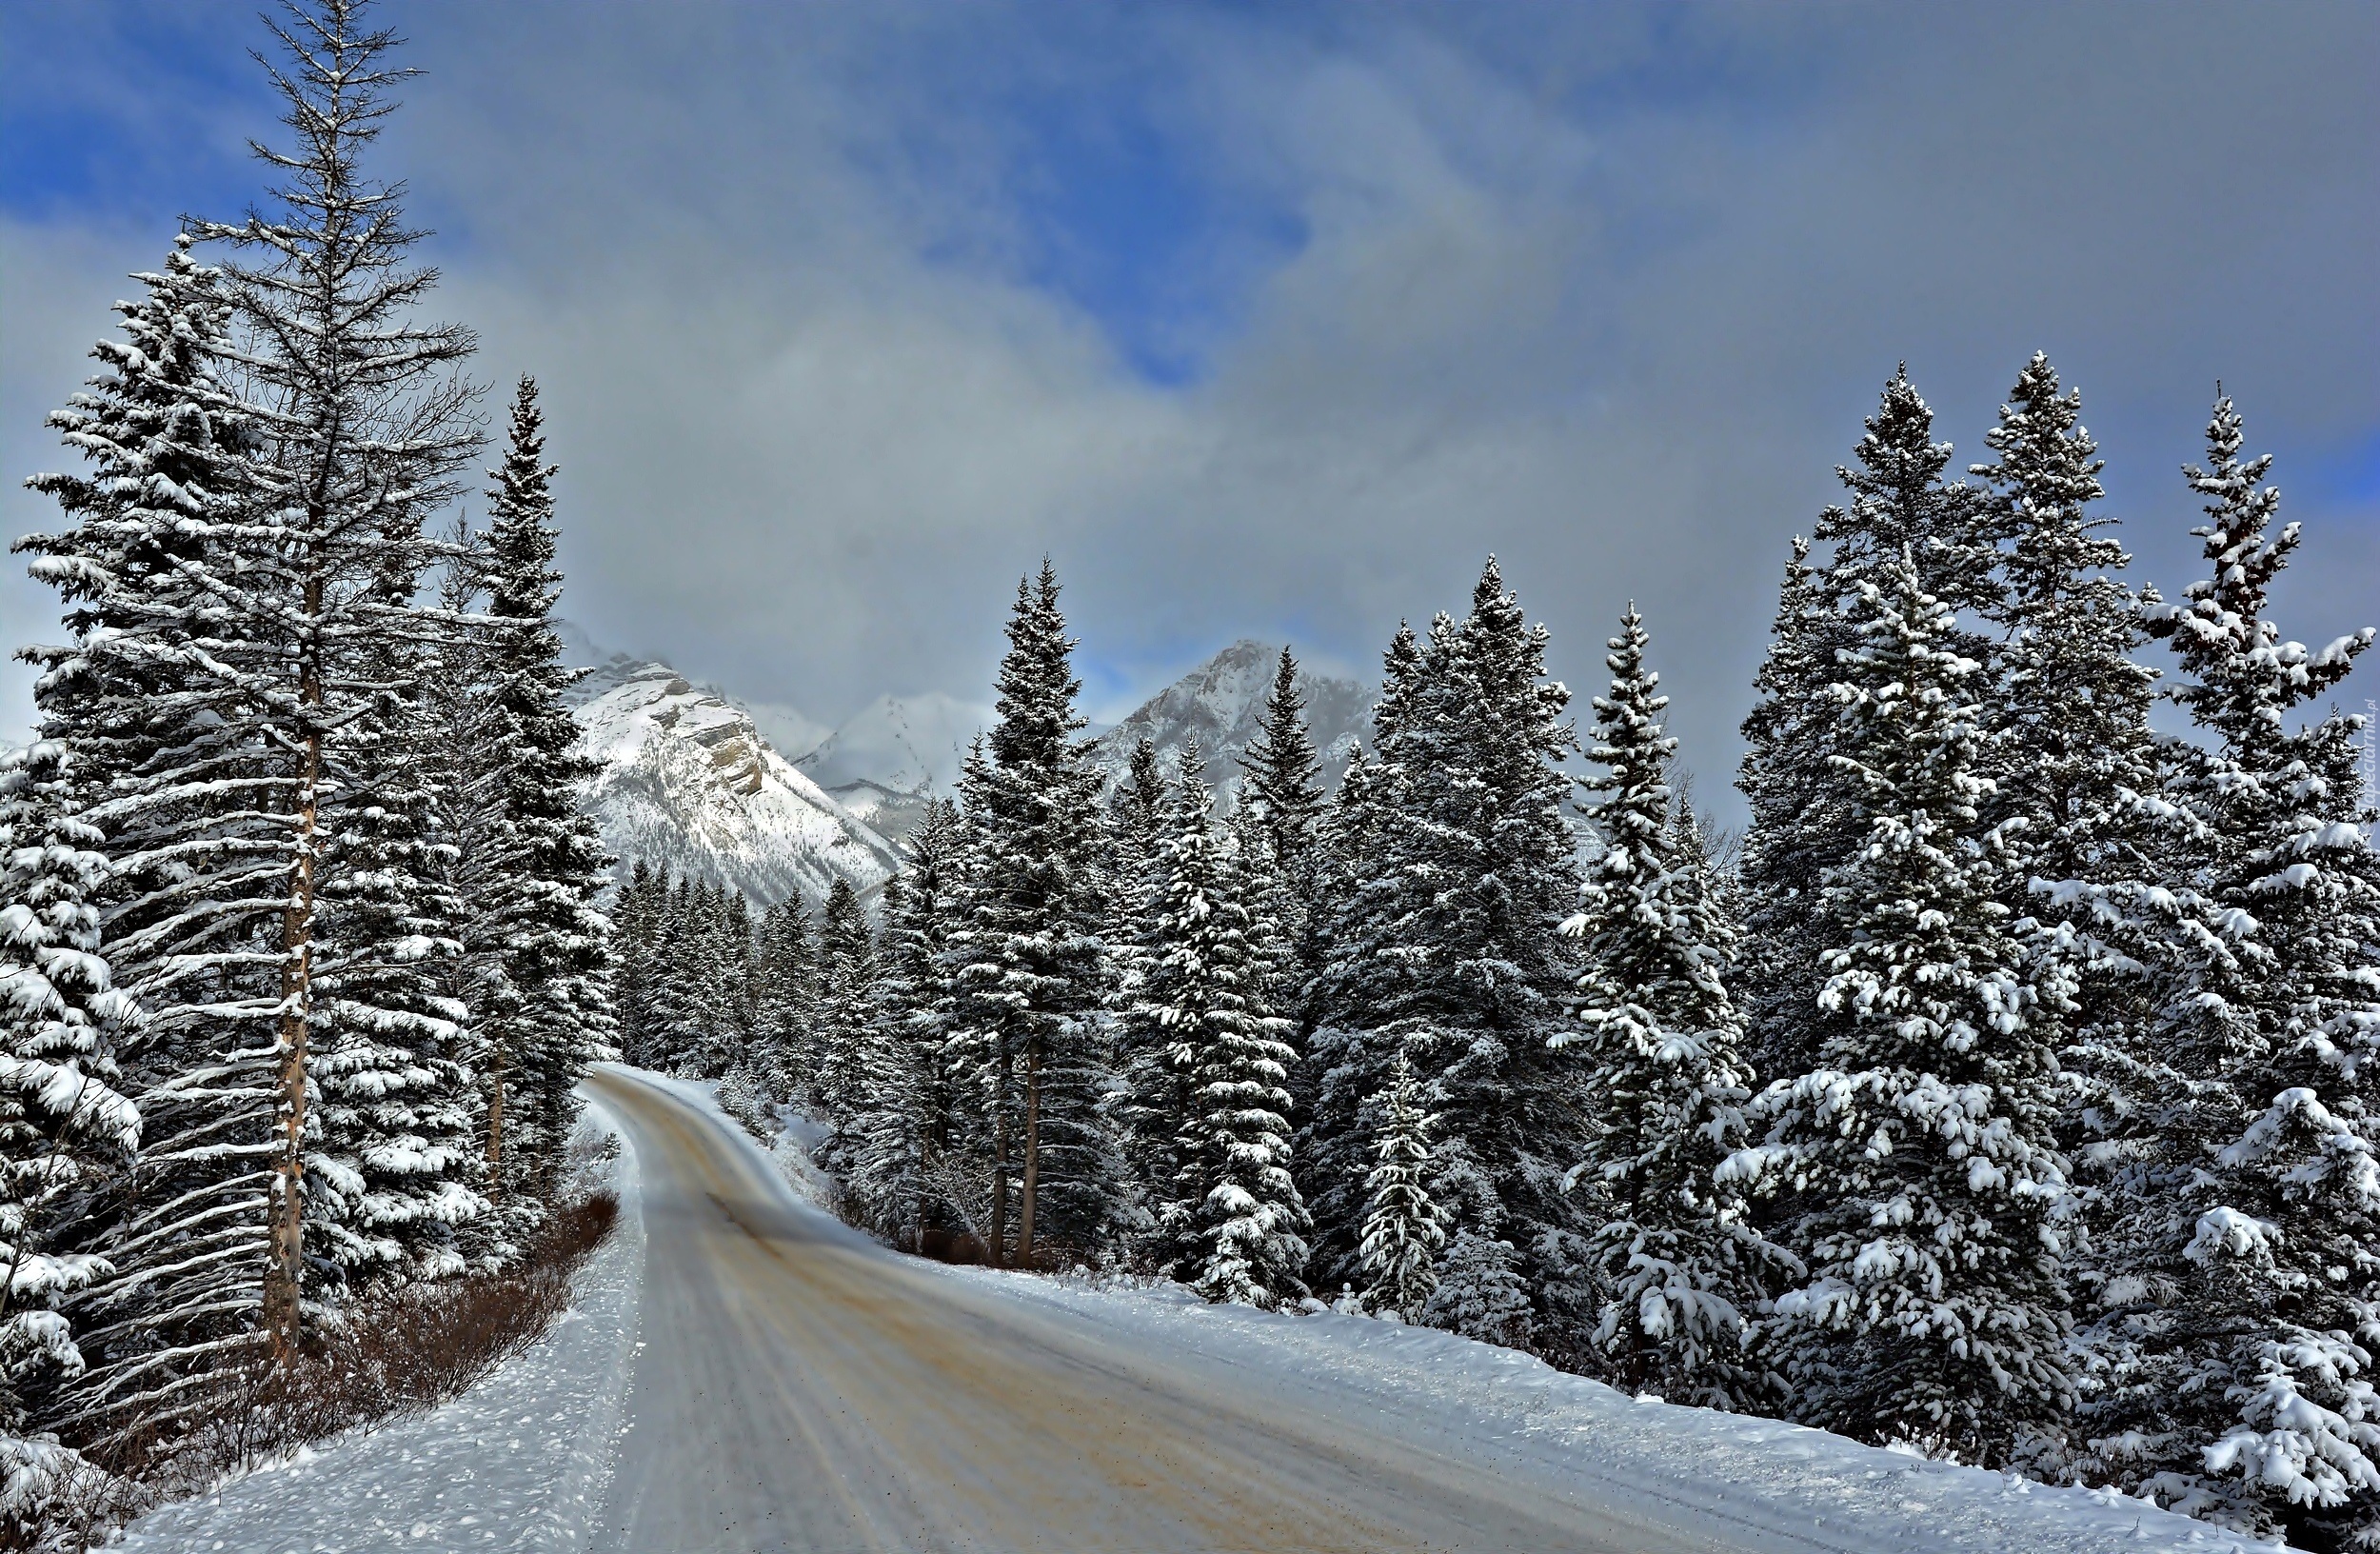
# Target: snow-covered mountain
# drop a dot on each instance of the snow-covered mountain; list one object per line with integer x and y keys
{"x": 793, "y": 733}
{"x": 894, "y": 754}
{"x": 695, "y": 779}
{"x": 1220, "y": 701}
{"x": 689, "y": 782}
{"x": 892, "y": 814}
{"x": 899, "y": 744}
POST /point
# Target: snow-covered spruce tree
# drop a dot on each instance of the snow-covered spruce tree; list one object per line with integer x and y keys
{"x": 1804, "y": 819}
{"x": 1281, "y": 766}
{"x": 2239, "y": 1349}
{"x": 637, "y": 917}
{"x": 847, "y": 973}
{"x": 397, "y": 1175}
{"x": 1028, "y": 971}
{"x": 1271, "y": 900}
{"x": 1404, "y": 1231}
{"x": 2093, "y": 862}
{"x": 683, "y": 1003}
{"x": 1485, "y": 833}
{"x": 1681, "y": 1266}
{"x": 363, "y": 432}
{"x": 975, "y": 1049}
{"x": 449, "y": 709}
{"x": 1136, "y": 828}
{"x": 724, "y": 925}
{"x": 1162, "y": 1042}
{"x": 63, "y": 1120}
{"x": 1448, "y": 947}
{"x": 2069, "y": 707}
{"x": 1149, "y": 1116}
{"x": 745, "y": 982}
{"x": 786, "y": 973}
{"x": 1921, "y": 1154}
{"x": 1800, "y": 825}
{"x": 1235, "y": 1218}
{"x": 283, "y": 443}
{"x": 904, "y": 1128}
{"x": 541, "y": 864}
{"x": 179, "y": 767}
{"x": 1283, "y": 806}
{"x": 1347, "y": 1065}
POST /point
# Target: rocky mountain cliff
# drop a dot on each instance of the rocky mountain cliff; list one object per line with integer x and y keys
{"x": 692, "y": 780}
{"x": 688, "y": 782}
{"x": 1220, "y": 701}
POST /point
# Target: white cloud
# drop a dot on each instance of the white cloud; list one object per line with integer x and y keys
{"x": 815, "y": 416}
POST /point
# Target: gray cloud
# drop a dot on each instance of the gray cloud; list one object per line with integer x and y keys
{"x": 1603, "y": 289}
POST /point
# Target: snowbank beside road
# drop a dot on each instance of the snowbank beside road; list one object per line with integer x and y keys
{"x": 794, "y": 1135}
{"x": 519, "y": 1463}
{"x": 1736, "y": 1470}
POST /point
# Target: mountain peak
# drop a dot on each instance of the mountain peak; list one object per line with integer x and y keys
{"x": 1220, "y": 702}
{"x": 688, "y": 783}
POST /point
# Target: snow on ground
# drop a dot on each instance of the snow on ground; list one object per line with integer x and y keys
{"x": 522, "y": 1461}
{"x": 790, "y": 1147}
{"x": 1493, "y": 1406}
{"x": 519, "y": 1463}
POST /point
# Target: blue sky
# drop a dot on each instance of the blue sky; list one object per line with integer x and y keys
{"x": 1274, "y": 320}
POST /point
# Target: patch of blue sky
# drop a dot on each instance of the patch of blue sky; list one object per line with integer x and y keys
{"x": 117, "y": 112}
{"x": 2350, "y": 475}
{"x": 1123, "y": 218}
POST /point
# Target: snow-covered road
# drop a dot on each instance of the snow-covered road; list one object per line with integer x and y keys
{"x": 746, "y": 1374}
{"x": 799, "y": 1388}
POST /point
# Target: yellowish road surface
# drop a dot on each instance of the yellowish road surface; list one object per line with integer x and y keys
{"x": 799, "y": 1389}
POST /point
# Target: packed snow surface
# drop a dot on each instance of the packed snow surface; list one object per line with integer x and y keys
{"x": 520, "y": 1462}
{"x": 773, "y": 1382}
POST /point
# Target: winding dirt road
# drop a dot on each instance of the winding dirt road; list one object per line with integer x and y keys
{"x": 799, "y": 1388}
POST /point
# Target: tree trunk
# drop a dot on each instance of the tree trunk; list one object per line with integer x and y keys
{"x": 495, "y": 1120}
{"x": 285, "y": 1265}
{"x": 1032, "y": 1158}
{"x": 998, "y": 1250}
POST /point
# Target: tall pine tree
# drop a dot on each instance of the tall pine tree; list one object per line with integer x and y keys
{"x": 904, "y": 1128}
{"x": 1235, "y": 1218}
{"x": 1921, "y": 1154}
{"x": 1805, "y": 813}
{"x": 1447, "y": 948}
{"x": 1282, "y": 805}
{"x": 2240, "y": 1342}
{"x": 181, "y": 771}
{"x": 540, "y": 864}
{"x": 1682, "y": 1267}
{"x": 1029, "y": 971}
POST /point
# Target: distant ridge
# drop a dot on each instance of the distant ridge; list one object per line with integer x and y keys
{"x": 688, "y": 783}
{"x": 1220, "y": 701}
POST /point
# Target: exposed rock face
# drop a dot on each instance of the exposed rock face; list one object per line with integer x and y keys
{"x": 691, "y": 783}
{"x": 1220, "y": 701}
{"x": 688, "y": 783}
